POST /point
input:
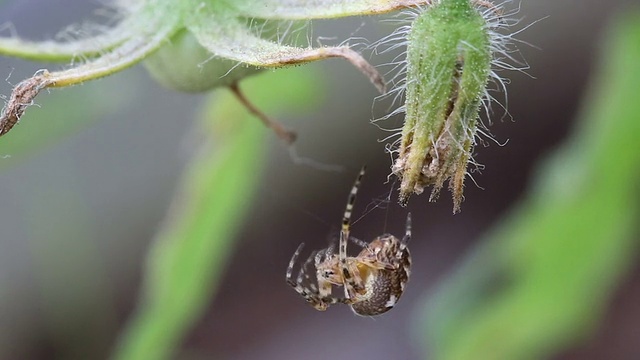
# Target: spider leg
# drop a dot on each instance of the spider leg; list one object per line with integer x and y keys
{"x": 302, "y": 273}
{"x": 331, "y": 249}
{"x": 305, "y": 274}
{"x": 406, "y": 238}
{"x": 324, "y": 287}
{"x": 310, "y": 294}
{"x": 352, "y": 281}
{"x": 361, "y": 243}
{"x": 354, "y": 285}
{"x": 319, "y": 257}
{"x": 378, "y": 264}
{"x": 328, "y": 252}
{"x": 292, "y": 263}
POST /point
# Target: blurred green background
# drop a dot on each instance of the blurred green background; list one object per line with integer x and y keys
{"x": 539, "y": 258}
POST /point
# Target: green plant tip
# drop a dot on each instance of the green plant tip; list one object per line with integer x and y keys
{"x": 450, "y": 48}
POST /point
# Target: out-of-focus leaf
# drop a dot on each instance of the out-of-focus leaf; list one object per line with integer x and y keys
{"x": 75, "y": 294}
{"x": 542, "y": 280}
{"x": 191, "y": 250}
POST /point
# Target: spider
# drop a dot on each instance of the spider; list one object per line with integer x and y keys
{"x": 373, "y": 281}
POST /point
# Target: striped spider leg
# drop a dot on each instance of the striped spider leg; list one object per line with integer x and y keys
{"x": 375, "y": 279}
{"x": 318, "y": 295}
{"x": 351, "y": 279}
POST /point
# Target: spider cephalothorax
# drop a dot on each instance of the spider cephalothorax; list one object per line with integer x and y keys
{"x": 373, "y": 280}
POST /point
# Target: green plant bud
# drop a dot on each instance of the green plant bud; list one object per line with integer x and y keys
{"x": 184, "y": 65}
{"x": 448, "y": 67}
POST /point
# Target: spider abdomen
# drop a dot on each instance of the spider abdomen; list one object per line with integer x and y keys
{"x": 383, "y": 288}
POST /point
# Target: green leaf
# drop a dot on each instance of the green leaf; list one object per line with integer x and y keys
{"x": 542, "y": 280}
{"x": 51, "y": 50}
{"x": 231, "y": 39}
{"x": 320, "y": 9}
{"x": 73, "y": 290}
{"x": 137, "y": 19}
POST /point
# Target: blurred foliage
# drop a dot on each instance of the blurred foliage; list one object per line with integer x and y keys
{"x": 542, "y": 280}
{"x": 75, "y": 292}
{"x": 191, "y": 250}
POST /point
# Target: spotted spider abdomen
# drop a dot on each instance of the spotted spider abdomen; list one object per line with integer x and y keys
{"x": 383, "y": 287}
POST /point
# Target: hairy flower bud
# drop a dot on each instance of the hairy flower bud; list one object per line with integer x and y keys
{"x": 449, "y": 54}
